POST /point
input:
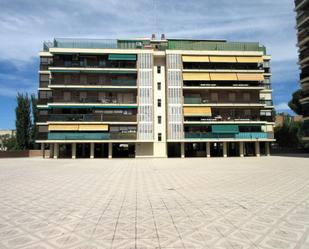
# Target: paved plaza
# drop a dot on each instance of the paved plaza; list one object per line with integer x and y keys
{"x": 214, "y": 203}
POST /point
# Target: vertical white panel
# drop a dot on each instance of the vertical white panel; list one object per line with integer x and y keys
{"x": 145, "y": 97}
{"x": 174, "y": 97}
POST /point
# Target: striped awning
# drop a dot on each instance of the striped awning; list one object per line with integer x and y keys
{"x": 78, "y": 127}
{"x": 197, "y": 111}
{"x": 249, "y": 59}
{"x": 226, "y": 59}
{"x": 188, "y": 58}
{"x": 196, "y": 76}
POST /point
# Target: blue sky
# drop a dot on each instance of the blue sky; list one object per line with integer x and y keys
{"x": 25, "y": 24}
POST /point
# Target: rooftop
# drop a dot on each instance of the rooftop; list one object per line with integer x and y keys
{"x": 147, "y": 43}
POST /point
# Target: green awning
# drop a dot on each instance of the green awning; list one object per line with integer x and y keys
{"x": 225, "y": 129}
{"x": 122, "y": 57}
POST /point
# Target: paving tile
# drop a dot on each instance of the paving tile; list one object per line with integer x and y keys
{"x": 155, "y": 203}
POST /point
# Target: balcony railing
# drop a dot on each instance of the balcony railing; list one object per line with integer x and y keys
{"x": 92, "y": 118}
{"x": 111, "y": 82}
{"x": 203, "y": 84}
{"x": 188, "y": 100}
{"x": 123, "y": 136}
{"x": 241, "y": 135}
{"x": 90, "y": 136}
{"x": 78, "y": 136}
{"x": 267, "y": 102}
{"x": 94, "y": 64}
{"x": 57, "y": 99}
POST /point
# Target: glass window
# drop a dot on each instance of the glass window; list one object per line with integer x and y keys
{"x": 159, "y": 102}
{"x": 159, "y": 69}
{"x": 159, "y": 86}
{"x": 159, "y": 136}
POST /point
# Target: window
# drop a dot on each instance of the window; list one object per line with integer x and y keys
{"x": 159, "y": 102}
{"x": 67, "y": 96}
{"x": 232, "y": 97}
{"x": 159, "y": 136}
{"x": 44, "y": 77}
{"x": 246, "y": 96}
{"x": 159, "y": 119}
{"x": 159, "y": 69}
{"x": 159, "y": 86}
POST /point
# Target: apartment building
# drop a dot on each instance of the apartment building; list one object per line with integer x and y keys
{"x": 302, "y": 25}
{"x": 154, "y": 98}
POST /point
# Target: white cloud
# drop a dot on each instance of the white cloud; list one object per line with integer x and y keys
{"x": 282, "y": 107}
{"x": 25, "y": 24}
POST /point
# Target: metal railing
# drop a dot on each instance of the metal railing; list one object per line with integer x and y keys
{"x": 188, "y": 100}
{"x": 240, "y": 135}
{"x": 58, "y": 99}
{"x": 92, "y": 118}
{"x": 112, "y": 82}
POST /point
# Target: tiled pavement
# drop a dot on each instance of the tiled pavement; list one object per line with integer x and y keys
{"x": 154, "y": 203}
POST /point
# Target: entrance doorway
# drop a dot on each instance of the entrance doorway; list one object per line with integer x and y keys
{"x": 216, "y": 149}
{"x": 173, "y": 150}
{"x": 195, "y": 150}
{"x": 100, "y": 150}
{"x": 82, "y": 150}
{"x": 123, "y": 150}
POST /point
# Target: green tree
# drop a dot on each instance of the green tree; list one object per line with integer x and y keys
{"x": 9, "y": 142}
{"x": 34, "y": 110}
{"x": 295, "y": 104}
{"x": 23, "y": 122}
{"x": 289, "y": 135}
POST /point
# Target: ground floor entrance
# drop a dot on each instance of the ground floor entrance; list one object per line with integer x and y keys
{"x": 175, "y": 149}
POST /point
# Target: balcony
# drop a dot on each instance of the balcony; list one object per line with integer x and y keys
{"x": 78, "y": 136}
{"x": 95, "y": 63}
{"x": 91, "y": 118}
{"x": 95, "y": 82}
{"x": 304, "y": 55}
{"x": 90, "y": 136}
{"x": 267, "y": 102}
{"x": 44, "y": 84}
{"x": 241, "y": 135}
{"x": 194, "y": 100}
{"x": 231, "y": 84}
{"x": 302, "y": 19}
{"x": 58, "y": 99}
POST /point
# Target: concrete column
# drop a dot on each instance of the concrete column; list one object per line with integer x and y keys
{"x": 110, "y": 150}
{"x": 267, "y": 149}
{"x": 51, "y": 150}
{"x": 224, "y": 149}
{"x": 43, "y": 150}
{"x": 92, "y": 150}
{"x": 241, "y": 149}
{"x": 208, "y": 150}
{"x": 73, "y": 150}
{"x": 182, "y": 149}
{"x": 56, "y": 150}
{"x": 257, "y": 148}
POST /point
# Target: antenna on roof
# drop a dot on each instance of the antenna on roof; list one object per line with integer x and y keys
{"x": 155, "y": 16}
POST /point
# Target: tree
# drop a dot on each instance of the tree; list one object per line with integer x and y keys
{"x": 9, "y": 142}
{"x": 295, "y": 104}
{"x": 34, "y": 110}
{"x": 23, "y": 122}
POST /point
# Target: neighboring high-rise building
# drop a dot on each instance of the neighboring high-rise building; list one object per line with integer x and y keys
{"x": 154, "y": 98}
{"x": 302, "y": 25}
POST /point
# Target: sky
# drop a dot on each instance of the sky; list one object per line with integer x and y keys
{"x": 25, "y": 24}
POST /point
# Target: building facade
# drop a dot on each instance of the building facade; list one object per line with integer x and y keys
{"x": 154, "y": 98}
{"x": 302, "y": 25}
